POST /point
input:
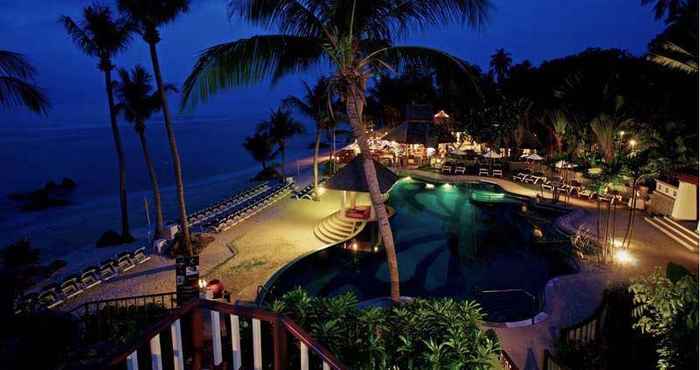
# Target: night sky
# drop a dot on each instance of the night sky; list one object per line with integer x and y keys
{"x": 534, "y": 30}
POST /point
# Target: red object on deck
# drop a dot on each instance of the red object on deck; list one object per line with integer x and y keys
{"x": 216, "y": 287}
{"x": 360, "y": 213}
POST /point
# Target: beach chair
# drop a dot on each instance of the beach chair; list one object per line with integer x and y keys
{"x": 460, "y": 170}
{"x": 497, "y": 172}
{"x": 71, "y": 287}
{"x": 521, "y": 176}
{"x": 446, "y": 169}
{"x": 140, "y": 256}
{"x": 548, "y": 185}
{"x": 107, "y": 270}
{"x": 90, "y": 278}
{"x": 483, "y": 171}
{"x": 49, "y": 297}
{"x": 125, "y": 262}
{"x": 537, "y": 177}
{"x": 27, "y": 303}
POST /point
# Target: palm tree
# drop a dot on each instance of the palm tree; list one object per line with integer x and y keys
{"x": 316, "y": 105}
{"x": 138, "y": 102}
{"x": 17, "y": 86}
{"x": 355, "y": 38}
{"x": 260, "y": 147}
{"x": 148, "y": 16}
{"x": 102, "y": 36}
{"x": 560, "y": 125}
{"x": 281, "y": 127}
{"x": 500, "y": 64}
{"x": 667, "y": 8}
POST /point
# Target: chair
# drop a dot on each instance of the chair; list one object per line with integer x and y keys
{"x": 125, "y": 261}
{"x": 521, "y": 176}
{"x": 107, "y": 270}
{"x": 70, "y": 287}
{"x": 548, "y": 185}
{"x": 140, "y": 256}
{"x": 446, "y": 169}
{"x": 460, "y": 170}
{"x": 49, "y": 297}
{"x": 497, "y": 172}
{"x": 483, "y": 171}
{"x": 90, "y": 278}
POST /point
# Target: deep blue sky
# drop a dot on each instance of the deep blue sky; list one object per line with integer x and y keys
{"x": 534, "y": 30}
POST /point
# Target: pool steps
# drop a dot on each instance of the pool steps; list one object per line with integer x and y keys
{"x": 334, "y": 229}
{"x": 679, "y": 233}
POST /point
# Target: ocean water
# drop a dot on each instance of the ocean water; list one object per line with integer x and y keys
{"x": 213, "y": 160}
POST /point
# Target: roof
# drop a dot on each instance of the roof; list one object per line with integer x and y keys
{"x": 352, "y": 177}
{"x": 425, "y": 133}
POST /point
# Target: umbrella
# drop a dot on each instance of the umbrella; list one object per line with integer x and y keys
{"x": 535, "y": 157}
{"x": 564, "y": 164}
{"x": 424, "y": 133}
{"x": 352, "y": 177}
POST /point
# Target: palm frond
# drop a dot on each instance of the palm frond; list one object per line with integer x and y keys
{"x": 673, "y": 56}
{"x": 152, "y": 13}
{"x": 248, "y": 61}
{"x": 15, "y": 92}
{"x": 291, "y": 17}
{"x": 100, "y": 33}
{"x": 15, "y": 65}
{"x": 79, "y": 36}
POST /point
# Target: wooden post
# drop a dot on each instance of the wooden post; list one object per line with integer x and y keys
{"x": 257, "y": 346}
{"x": 178, "y": 357}
{"x": 156, "y": 353}
{"x": 279, "y": 343}
{"x": 304, "y": 356}
{"x": 216, "y": 337}
{"x": 236, "y": 342}
{"x": 197, "y": 339}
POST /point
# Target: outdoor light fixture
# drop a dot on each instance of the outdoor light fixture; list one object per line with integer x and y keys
{"x": 622, "y": 133}
{"x": 429, "y": 186}
{"x": 617, "y": 243}
{"x": 633, "y": 143}
{"x": 202, "y": 283}
{"x": 624, "y": 257}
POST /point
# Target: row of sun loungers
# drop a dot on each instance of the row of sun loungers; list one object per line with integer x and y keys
{"x": 248, "y": 208}
{"x": 462, "y": 170}
{"x": 573, "y": 188}
{"x": 55, "y": 294}
{"x": 202, "y": 216}
{"x": 306, "y": 192}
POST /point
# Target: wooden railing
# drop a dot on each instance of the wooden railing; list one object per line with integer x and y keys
{"x": 507, "y": 362}
{"x": 282, "y": 330}
{"x": 165, "y": 300}
{"x": 589, "y": 329}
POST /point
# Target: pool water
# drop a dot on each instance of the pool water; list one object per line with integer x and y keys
{"x": 451, "y": 241}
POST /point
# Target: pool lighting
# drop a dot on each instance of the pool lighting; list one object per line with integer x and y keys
{"x": 354, "y": 246}
{"x": 376, "y": 249}
{"x": 429, "y": 186}
{"x": 624, "y": 257}
{"x": 632, "y": 143}
{"x": 321, "y": 190}
{"x": 622, "y": 133}
{"x": 447, "y": 185}
{"x": 407, "y": 178}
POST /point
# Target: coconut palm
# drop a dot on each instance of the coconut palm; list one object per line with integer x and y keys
{"x": 17, "y": 88}
{"x": 260, "y": 147}
{"x": 667, "y": 8}
{"x": 500, "y": 64}
{"x": 560, "y": 126}
{"x": 148, "y": 16}
{"x": 99, "y": 34}
{"x": 137, "y": 103}
{"x": 355, "y": 38}
{"x": 315, "y": 105}
{"x": 281, "y": 127}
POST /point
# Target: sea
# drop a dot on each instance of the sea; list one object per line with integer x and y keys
{"x": 214, "y": 164}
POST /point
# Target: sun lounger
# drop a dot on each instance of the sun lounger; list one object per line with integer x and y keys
{"x": 107, "y": 270}
{"x": 125, "y": 262}
{"x": 90, "y": 278}
{"x": 140, "y": 256}
{"x": 460, "y": 170}
{"x": 521, "y": 176}
{"x": 483, "y": 171}
{"x": 49, "y": 297}
{"x": 497, "y": 172}
{"x": 71, "y": 287}
{"x": 446, "y": 169}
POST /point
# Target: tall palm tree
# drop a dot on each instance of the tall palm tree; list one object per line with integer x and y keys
{"x": 17, "y": 86}
{"x": 667, "y": 8}
{"x": 99, "y": 34}
{"x": 148, "y": 16}
{"x": 560, "y": 126}
{"x": 138, "y": 102}
{"x": 260, "y": 147}
{"x": 355, "y": 38}
{"x": 315, "y": 105}
{"x": 281, "y": 127}
{"x": 500, "y": 64}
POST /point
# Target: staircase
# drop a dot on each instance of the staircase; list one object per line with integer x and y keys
{"x": 679, "y": 233}
{"x": 334, "y": 229}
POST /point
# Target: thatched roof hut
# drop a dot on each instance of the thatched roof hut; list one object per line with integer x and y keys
{"x": 352, "y": 177}
{"x": 424, "y": 133}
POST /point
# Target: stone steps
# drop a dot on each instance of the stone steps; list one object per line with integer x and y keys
{"x": 334, "y": 230}
{"x": 679, "y": 233}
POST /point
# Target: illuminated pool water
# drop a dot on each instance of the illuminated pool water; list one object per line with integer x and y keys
{"x": 452, "y": 241}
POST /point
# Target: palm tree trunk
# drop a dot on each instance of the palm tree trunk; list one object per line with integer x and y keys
{"x": 177, "y": 165}
{"x": 154, "y": 183}
{"x": 354, "y": 106}
{"x": 126, "y": 235}
{"x": 284, "y": 159}
{"x": 333, "y": 150}
{"x": 317, "y": 147}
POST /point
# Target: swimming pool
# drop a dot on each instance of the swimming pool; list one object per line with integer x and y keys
{"x": 452, "y": 241}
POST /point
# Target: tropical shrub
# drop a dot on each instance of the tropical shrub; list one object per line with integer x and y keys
{"x": 666, "y": 307}
{"x": 421, "y": 334}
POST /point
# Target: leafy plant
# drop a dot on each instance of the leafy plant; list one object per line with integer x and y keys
{"x": 422, "y": 334}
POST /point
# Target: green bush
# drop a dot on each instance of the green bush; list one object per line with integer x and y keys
{"x": 422, "y": 334}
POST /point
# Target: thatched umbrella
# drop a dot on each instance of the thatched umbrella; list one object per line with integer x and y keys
{"x": 352, "y": 177}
